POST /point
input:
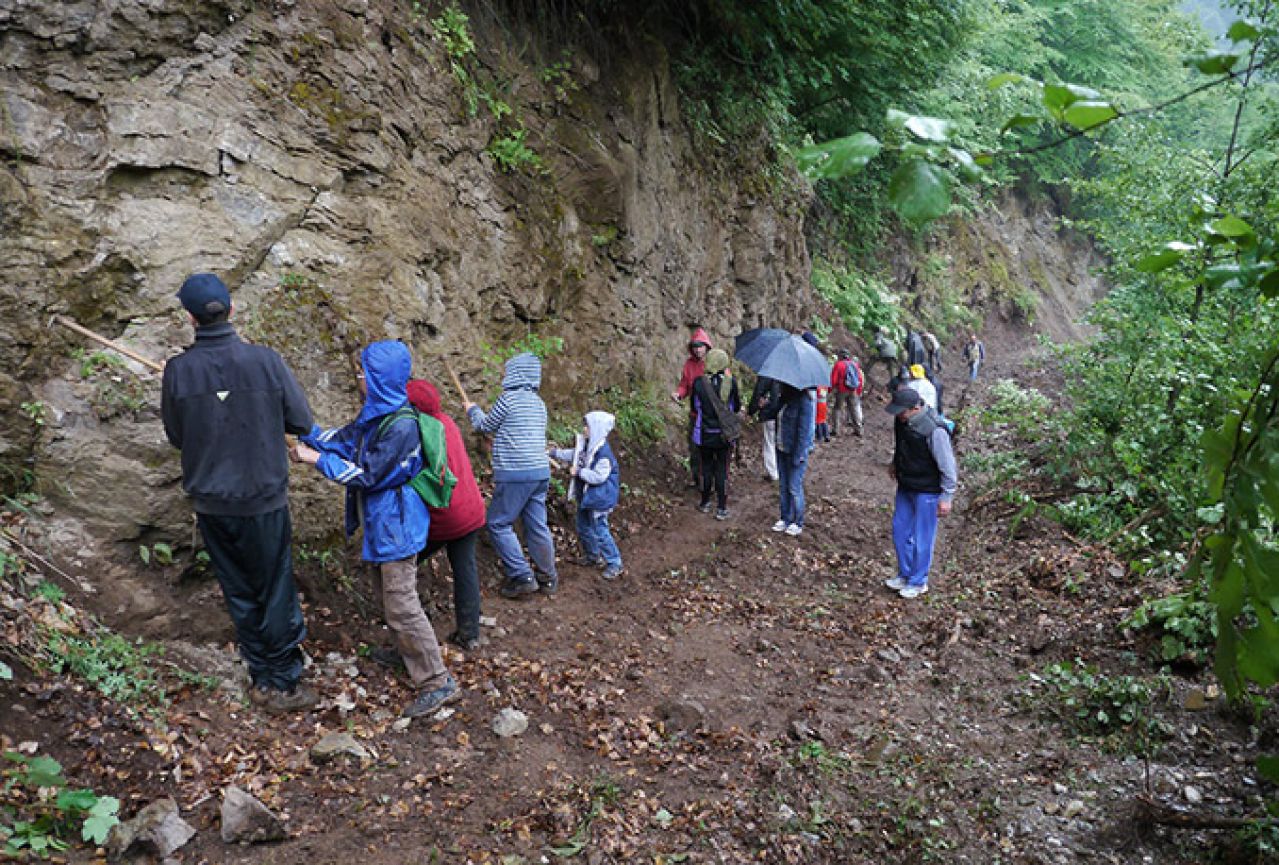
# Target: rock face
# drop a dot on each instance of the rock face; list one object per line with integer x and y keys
{"x": 323, "y": 157}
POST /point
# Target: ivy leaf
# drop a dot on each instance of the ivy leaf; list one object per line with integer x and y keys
{"x": 1168, "y": 255}
{"x": 1242, "y": 31}
{"x": 1214, "y": 62}
{"x": 838, "y": 158}
{"x": 1087, "y": 113}
{"x": 45, "y": 772}
{"x": 919, "y": 191}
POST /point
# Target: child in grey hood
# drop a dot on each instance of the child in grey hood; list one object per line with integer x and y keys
{"x": 595, "y": 487}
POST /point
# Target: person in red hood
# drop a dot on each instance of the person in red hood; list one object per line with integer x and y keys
{"x": 456, "y": 528}
{"x": 694, "y": 367}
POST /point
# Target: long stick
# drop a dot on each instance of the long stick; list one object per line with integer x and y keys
{"x": 457, "y": 382}
{"x": 109, "y": 343}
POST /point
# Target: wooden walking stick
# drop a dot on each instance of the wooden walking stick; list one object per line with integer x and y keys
{"x": 457, "y": 382}
{"x": 109, "y": 343}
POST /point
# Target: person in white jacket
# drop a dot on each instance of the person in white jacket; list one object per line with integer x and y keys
{"x": 920, "y": 384}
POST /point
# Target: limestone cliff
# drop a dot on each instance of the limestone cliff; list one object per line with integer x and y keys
{"x": 354, "y": 174}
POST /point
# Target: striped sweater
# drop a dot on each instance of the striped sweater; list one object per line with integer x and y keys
{"x": 517, "y": 423}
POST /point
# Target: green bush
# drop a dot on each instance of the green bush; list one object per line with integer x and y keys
{"x": 1186, "y": 623}
{"x": 1114, "y": 708}
{"x": 639, "y": 414}
{"x": 52, "y": 812}
{"x": 863, "y": 301}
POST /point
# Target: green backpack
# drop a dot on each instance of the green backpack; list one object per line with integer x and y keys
{"x": 434, "y": 483}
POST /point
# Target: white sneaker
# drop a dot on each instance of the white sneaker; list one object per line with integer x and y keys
{"x": 779, "y": 526}
{"x": 896, "y": 584}
{"x": 914, "y": 591}
{"x": 794, "y": 530}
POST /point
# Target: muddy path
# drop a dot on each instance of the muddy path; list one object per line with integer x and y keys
{"x": 737, "y": 696}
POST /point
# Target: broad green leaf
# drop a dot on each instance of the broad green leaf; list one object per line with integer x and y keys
{"x": 984, "y": 159}
{"x": 1259, "y": 649}
{"x": 1003, "y": 78}
{"x": 6, "y": 672}
{"x": 97, "y": 828}
{"x": 1228, "y": 593}
{"x": 1242, "y": 31}
{"x": 77, "y": 800}
{"x": 1057, "y": 97}
{"x": 915, "y": 150}
{"x": 1020, "y": 121}
{"x": 1168, "y": 255}
{"x": 1269, "y": 768}
{"x": 1231, "y": 226}
{"x": 45, "y": 772}
{"x": 1262, "y": 568}
{"x": 924, "y": 128}
{"x": 1086, "y": 113}
{"x": 919, "y": 191}
{"x": 1214, "y": 62}
{"x": 838, "y": 158}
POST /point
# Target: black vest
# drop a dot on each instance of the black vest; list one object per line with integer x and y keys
{"x": 916, "y": 469}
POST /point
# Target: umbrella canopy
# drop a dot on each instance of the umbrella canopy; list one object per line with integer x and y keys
{"x": 779, "y": 354}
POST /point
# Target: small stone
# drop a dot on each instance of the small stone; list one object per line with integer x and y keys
{"x": 157, "y": 830}
{"x": 488, "y": 621}
{"x": 1193, "y": 795}
{"x": 1196, "y": 700}
{"x": 245, "y": 820}
{"x": 401, "y": 724}
{"x": 682, "y": 715}
{"x": 510, "y": 722}
{"x": 336, "y": 745}
{"x": 1051, "y": 808}
{"x": 786, "y": 813}
{"x": 1060, "y": 789}
{"x": 888, "y": 656}
{"x": 1073, "y": 809}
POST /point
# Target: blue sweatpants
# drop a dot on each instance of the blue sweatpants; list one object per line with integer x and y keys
{"x": 914, "y": 533}
{"x": 596, "y": 538}
{"x": 525, "y": 501}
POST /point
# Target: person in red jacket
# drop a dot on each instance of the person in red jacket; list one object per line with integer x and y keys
{"x": 694, "y": 367}
{"x": 848, "y": 400}
{"x": 456, "y": 528}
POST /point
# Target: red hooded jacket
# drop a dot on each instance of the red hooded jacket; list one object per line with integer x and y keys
{"x": 465, "y": 512}
{"x": 693, "y": 367}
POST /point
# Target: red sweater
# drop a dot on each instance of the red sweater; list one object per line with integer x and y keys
{"x": 694, "y": 367}
{"x": 465, "y": 512}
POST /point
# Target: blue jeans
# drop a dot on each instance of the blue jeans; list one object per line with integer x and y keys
{"x": 973, "y": 367}
{"x": 524, "y": 500}
{"x": 914, "y": 533}
{"x": 791, "y": 486}
{"x": 595, "y": 537}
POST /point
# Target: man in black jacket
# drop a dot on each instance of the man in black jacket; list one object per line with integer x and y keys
{"x": 764, "y": 399}
{"x": 227, "y": 405}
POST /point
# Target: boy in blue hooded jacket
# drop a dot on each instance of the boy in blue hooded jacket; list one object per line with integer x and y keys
{"x": 595, "y": 487}
{"x": 521, "y": 477}
{"x": 375, "y": 460}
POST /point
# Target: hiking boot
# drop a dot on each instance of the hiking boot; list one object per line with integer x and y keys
{"x": 548, "y": 585}
{"x": 387, "y": 657}
{"x": 466, "y": 642}
{"x": 428, "y": 701}
{"x": 721, "y": 514}
{"x": 896, "y": 584}
{"x": 612, "y": 572}
{"x": 300, "y": 698}
{"x": 517, "y": 588}
{"x": 794, "y": 530}
{"x": 704, "y": 507}
{"x": 914, "y": 591}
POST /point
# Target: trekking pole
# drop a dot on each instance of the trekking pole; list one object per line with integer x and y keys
{"x": 457, "y": 382}
{"x": 109, "y": 343}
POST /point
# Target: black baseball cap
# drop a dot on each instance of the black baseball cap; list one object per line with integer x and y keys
{"x": 903, "y": 400}
{"x": 204, "y": 294}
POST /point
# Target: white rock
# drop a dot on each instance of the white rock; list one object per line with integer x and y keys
{"x": 1193, "y": 795}
{"x": 510, "y": 722}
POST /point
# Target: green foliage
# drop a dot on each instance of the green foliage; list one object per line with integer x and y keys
{"x": 639, "y": 414}
{"x": 160, "y": 552}
{"x": 1186, "y": 623}
{"x": 863, "y": 301}
{"x": 118, "y": 669}
{"x": 50, "y": 592}
{"x": 1105, "y": 706}
{"x": 115, "y": 388}
{"x": 1022, "y": 410}
{"x": 36, "y": 411}
{"x": 511, "y": 153}
{"x": 53, "y": 812}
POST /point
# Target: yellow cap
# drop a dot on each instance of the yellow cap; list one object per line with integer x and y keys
{"x": 917, "y": 371}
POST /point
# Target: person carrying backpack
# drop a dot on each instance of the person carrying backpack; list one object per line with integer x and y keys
{"x": 375, "y": 457}
{"x": 847, "y": 384}
{"x": 455, "y": 526}
{"x": 974, "y": 356}
{"x": 916, "y": 353}
{"x": 715, "y": 428}
{"x": 934, "y": 351}
{"x": 694, "y": 365}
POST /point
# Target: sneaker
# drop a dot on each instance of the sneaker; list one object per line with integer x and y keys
{"x": 896, "y": 584}
{"x": 704, "y": 507}
{"x": 779, "y": 526}
{"x": 914, "y": 591}
{"x": 390, "y": 658}
{"x": 428, "y": 701}
{"x": 465, "y": 642}
{"x": 721, "y": 514}
{"x": 517, "y": 588}
{"x": 794, "y": 530}
{"x": 612, "y": 572}
{"x": 548, "y": 585}
{"x": 300, "y": 698}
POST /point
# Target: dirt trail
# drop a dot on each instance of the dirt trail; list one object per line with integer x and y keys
{"x": 737, "y": 696}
